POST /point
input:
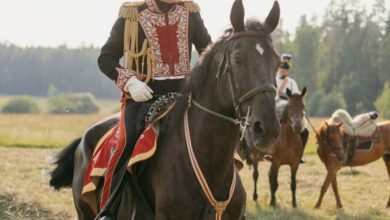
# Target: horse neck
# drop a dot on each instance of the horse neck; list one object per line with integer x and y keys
{"x": 213, "y": 139}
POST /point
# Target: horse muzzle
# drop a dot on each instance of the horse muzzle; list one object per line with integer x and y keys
{"x": 264, "y": 135}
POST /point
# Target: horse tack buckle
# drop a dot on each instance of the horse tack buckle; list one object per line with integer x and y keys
{"x": 220, "y": 207}
{"x": 244, "y": 124}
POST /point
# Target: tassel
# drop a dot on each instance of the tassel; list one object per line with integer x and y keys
{"x": 129, "y": 10}
{"x": 192, "y": 7}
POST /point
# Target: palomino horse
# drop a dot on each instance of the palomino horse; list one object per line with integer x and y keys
{"x": 334, "y": 155}
{"x": 232, "y": 85}
{"x": 287, "y": 149}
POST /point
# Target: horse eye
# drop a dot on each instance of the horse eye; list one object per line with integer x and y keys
{"x": 238, "y": 60}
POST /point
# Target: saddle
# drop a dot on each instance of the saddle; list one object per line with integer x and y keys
{"x": 360, "y": 133}
{"x": 360, "y": 143}
{"x": 143, "y": 150}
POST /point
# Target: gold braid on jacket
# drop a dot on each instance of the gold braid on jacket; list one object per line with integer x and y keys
{"x": 138, "y": 56}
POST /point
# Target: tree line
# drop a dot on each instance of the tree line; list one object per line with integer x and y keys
{"x": 342, "y": 60}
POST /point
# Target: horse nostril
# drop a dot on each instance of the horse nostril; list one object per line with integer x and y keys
{"x": 257, "y": 128}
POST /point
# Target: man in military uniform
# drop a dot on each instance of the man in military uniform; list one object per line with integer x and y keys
{"x": 284, "y": 82}
{"x": 154, "y": 38}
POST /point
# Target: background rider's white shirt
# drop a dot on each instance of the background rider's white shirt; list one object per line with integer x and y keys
{"x": 291, "y": 84}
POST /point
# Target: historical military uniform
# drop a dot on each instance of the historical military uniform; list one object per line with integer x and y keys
{"x": 155, "y": 41}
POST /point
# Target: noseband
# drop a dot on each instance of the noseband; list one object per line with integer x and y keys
{"x": 225, "y": 68}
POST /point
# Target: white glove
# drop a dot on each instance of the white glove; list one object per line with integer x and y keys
{"x": 138, "y": 90}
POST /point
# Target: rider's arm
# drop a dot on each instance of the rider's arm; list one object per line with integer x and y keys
{"x": 112, "y": 51}
{"x": 200, "y": 36}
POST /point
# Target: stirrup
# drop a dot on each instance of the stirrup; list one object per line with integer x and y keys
{"x": 105, "y": 215}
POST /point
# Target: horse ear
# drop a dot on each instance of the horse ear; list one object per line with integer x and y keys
{"x": 237, "y": 16}
{"x": 288, "y": 92}
{"x": 303, "y": 93}
{"x": 272, "y": 20}
{"x": 326, "y": 124}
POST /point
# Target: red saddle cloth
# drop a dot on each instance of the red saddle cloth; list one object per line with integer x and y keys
{"x": 144, "y": 149}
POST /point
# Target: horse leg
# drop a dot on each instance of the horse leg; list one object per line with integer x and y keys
{"x": 329, "y": 177}
{"x": 336, "y": 192}
{"x": 273, "y": 182}
{"x": 387, "y": 162}
{"x": 255, "y": 178}
{"x": 293, "y": 184}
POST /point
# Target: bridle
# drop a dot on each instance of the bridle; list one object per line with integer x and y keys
{"x": 220, "y": 206}
{"x": 225, "y": 68}
{"x": 324, "y": 140}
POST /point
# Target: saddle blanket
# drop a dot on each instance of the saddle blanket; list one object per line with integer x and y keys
{"x": 143, "y": 150}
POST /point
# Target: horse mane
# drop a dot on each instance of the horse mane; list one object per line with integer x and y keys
{"x": 201, "y": 71}
{"x": 319, "y": 134}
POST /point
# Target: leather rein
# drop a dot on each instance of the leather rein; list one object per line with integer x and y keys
{"x": 220, "y": 206}
{"x": 320, "y": 138}
{"x": 225, "y": 68}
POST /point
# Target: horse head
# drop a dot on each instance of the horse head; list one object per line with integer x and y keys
{"x": 330, "y": 137}
{"x": 246, "y": 76}
{"x": 296, "y": 110}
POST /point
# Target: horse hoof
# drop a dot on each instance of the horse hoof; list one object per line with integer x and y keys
{"x": 317, "y": 207}
{"x": 254, "y": 197}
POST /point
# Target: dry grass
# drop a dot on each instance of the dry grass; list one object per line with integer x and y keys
{"x": 24, "y": 193}
{"x": 42, "y": 130}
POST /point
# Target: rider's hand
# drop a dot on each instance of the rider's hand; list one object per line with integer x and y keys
{"x": 138, "y": 90}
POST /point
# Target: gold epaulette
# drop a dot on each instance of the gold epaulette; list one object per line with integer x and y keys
{"x": 191, "y": 6}
{"x": 129, "y": 10}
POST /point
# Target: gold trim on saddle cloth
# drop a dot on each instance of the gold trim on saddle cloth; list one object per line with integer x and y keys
{"x": 150, "y": 153}
{"x": 102, "y": 139}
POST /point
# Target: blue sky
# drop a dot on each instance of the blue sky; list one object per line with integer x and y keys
{"x": 78, "y": 22}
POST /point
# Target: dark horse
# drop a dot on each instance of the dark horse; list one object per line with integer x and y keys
{"x": 333, "y": 154}
{"x": 287, "y": 149}
{"x": 233, "y": 77}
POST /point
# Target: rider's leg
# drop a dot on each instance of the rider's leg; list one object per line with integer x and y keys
{"x": 127, "y": 139}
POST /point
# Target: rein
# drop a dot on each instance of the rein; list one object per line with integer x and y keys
{"x": 324, "y": 140}
{"x": 240, "y": 119}
{"x": 220, "y": 206}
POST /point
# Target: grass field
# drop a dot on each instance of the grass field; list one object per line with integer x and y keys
{"x": 24, "y": 192}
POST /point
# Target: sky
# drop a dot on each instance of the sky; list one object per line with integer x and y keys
{"x": 88, "y": 22}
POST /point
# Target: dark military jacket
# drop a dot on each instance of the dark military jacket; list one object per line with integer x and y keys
{"x": 169, "y": 37}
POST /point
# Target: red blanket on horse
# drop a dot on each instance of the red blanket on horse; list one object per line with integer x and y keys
{"x": 144, "y": 149}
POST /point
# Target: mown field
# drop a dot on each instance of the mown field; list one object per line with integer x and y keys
{"x": 27, "y": 141}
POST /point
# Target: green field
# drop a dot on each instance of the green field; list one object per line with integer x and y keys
{"x": 46, "y": 130}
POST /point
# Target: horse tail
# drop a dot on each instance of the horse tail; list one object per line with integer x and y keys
{"x": 62, "y": 175}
